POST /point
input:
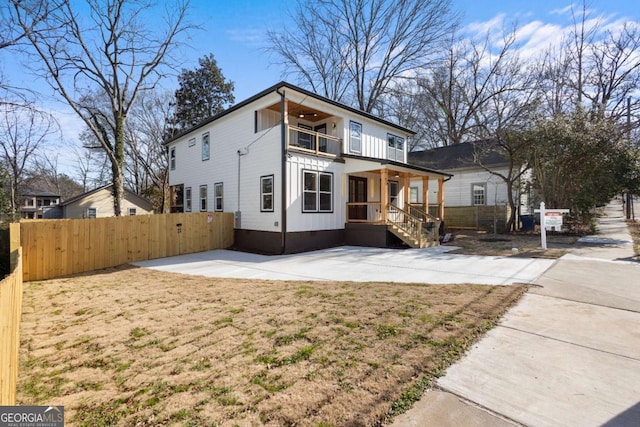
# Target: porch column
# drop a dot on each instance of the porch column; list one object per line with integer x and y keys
{"x": 285, "y": 118}
{"x": 406, "y": 185}
{"x": 384, "y": 194}
{"x": 441, "y": 198}
{"x": 425, "y": 193}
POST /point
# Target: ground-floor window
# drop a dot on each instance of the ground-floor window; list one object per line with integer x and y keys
{"x": 132, "y": 211}
{"x": 317, "y": 191}
{"x": 187, "y": 199}
{"x": 217, "y": 194}
{"x": 478, "y": 194}
{"x": 92, "y": 213}
{"x": 203, "y": 198}
{"x": 266, "y": 193}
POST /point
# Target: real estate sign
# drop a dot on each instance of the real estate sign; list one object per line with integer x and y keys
{"x": 553, "y": 220}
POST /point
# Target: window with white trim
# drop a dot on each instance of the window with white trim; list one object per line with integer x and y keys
{"x": 206, "y": 148}
{"x": 172, "y": 158}
{"x": 132, "y": 211}
{"x": 317, "y": 191}
{"x": 92, "y": 213}
{"x": 478, "y": 194}
{"x": 355, "y": 137}
{"x": 187, "y": 199}
{"x": 395, "y": 149}
{"x": 217, "y": 197}
{"x": 203, "y": 198}
{"x": 192, "y": 142}
{"x": 266, "y": 193}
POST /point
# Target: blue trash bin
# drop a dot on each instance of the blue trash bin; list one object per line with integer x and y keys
{"x": 528, "y": 222}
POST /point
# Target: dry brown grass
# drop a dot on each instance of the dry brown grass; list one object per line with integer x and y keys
{"x": 634, "y": 229}
{"x": 133, "y": 346}
{"x": 527, "y": 244}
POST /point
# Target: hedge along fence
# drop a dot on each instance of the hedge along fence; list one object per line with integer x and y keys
{"x": 56, "y": 248}
{"x": 10, "y": 314}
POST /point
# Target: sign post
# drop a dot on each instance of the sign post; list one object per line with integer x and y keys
{"x": 549, "y": 218}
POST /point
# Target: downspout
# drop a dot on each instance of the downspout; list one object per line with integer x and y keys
{"x": 283, "y": 178}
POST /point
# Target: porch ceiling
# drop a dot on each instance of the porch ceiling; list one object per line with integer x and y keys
{"x": 296, "y": 110}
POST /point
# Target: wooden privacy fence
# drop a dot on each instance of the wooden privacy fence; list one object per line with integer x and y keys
{"x": 10, "y": 313}
{"x": 56, "y": 248}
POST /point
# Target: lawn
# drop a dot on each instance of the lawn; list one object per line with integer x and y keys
{"x": 132, "y": 346}
{"x": 514, "y": 244}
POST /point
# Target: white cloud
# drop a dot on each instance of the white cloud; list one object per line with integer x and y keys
{"x": 253, "y": 37}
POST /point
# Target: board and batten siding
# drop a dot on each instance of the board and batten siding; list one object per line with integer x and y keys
{"x": 314, "y": 221}
{"x": 262, "y": 157}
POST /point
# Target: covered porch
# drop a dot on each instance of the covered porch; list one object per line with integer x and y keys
{"x": 394, "y": 197}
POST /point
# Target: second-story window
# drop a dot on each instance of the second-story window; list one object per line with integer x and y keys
{"x": 205, "y": 146}
{"x": 395, "y": 148}
{"x": 355, "y": 137}
{"x": 172, "y": 158}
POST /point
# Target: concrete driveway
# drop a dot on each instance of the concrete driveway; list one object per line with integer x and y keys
{"x": 348, "y": 263}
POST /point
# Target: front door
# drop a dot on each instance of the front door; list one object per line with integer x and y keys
{"x": 357, "y": 194}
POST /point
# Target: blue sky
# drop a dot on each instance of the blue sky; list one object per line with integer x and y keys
{"x": 234, "y": 31}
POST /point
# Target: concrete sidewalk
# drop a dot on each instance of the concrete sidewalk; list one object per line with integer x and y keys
{"x": 568, "y": 354}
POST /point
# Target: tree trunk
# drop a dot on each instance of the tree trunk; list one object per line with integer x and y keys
{"x": 117, "y": 166}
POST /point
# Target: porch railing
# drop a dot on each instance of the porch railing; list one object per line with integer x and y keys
{"x": 368, "y": 212}
{"x": 405, "y": 223}
{"x": 313, "y": 142}
{"x": 431, "y": 224}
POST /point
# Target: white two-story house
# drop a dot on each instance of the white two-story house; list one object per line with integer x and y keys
{"x": 302, "y": 172}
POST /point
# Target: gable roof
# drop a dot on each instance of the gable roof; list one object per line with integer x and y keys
{"x": 277, "y": 87}
{"x": 458, "y": 156}
{"x": 104, "y": 187}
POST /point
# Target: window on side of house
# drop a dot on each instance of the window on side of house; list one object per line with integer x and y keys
{"x": 132, "y": 211}
{"x": 218, "y": 196}
{"x": 206, "y": 147}
{"x": 192, "y": 142}
{"x": 413, "y": 194}
{"x": 478, "y": 194}
{"x": 355, "y": 137}
{"x": 203, "y": 198}
{"x": 92, "y": 213}
{"x": 395, "y": 149}
{"x": 266, "y": 193}
{"x": 172, "y": 158}
{"x": 317, "y": 191}
{"x": 187, "y": 199}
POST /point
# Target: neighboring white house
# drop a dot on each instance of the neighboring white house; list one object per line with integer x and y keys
{"x": 98, "y": 203}
{"x": 475, "y": 197}
{"x": 301, "y": 172}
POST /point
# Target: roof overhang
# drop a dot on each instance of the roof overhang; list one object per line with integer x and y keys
{"x": 357, "y": 164}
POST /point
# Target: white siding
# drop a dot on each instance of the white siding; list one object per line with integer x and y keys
{"x": 296, "y": 219}
{"x": 262, "y": 156}
{"x": 457, "y": 191}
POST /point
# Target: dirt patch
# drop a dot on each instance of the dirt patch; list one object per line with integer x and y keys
{"x": 634, "y": 230}
{"x": 474, "y": 242}
{"x": 133, "y": 346}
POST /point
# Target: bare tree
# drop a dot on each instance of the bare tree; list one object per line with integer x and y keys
{"x": 149, "y": 167}
{"x": 22, "y": 131}
{"x": 110, "y": 54}
{"x": 354, "y": 51}
{"x": 463, "y": 92}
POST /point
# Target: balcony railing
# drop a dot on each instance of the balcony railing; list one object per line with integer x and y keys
{"x": 314, "y": 142}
